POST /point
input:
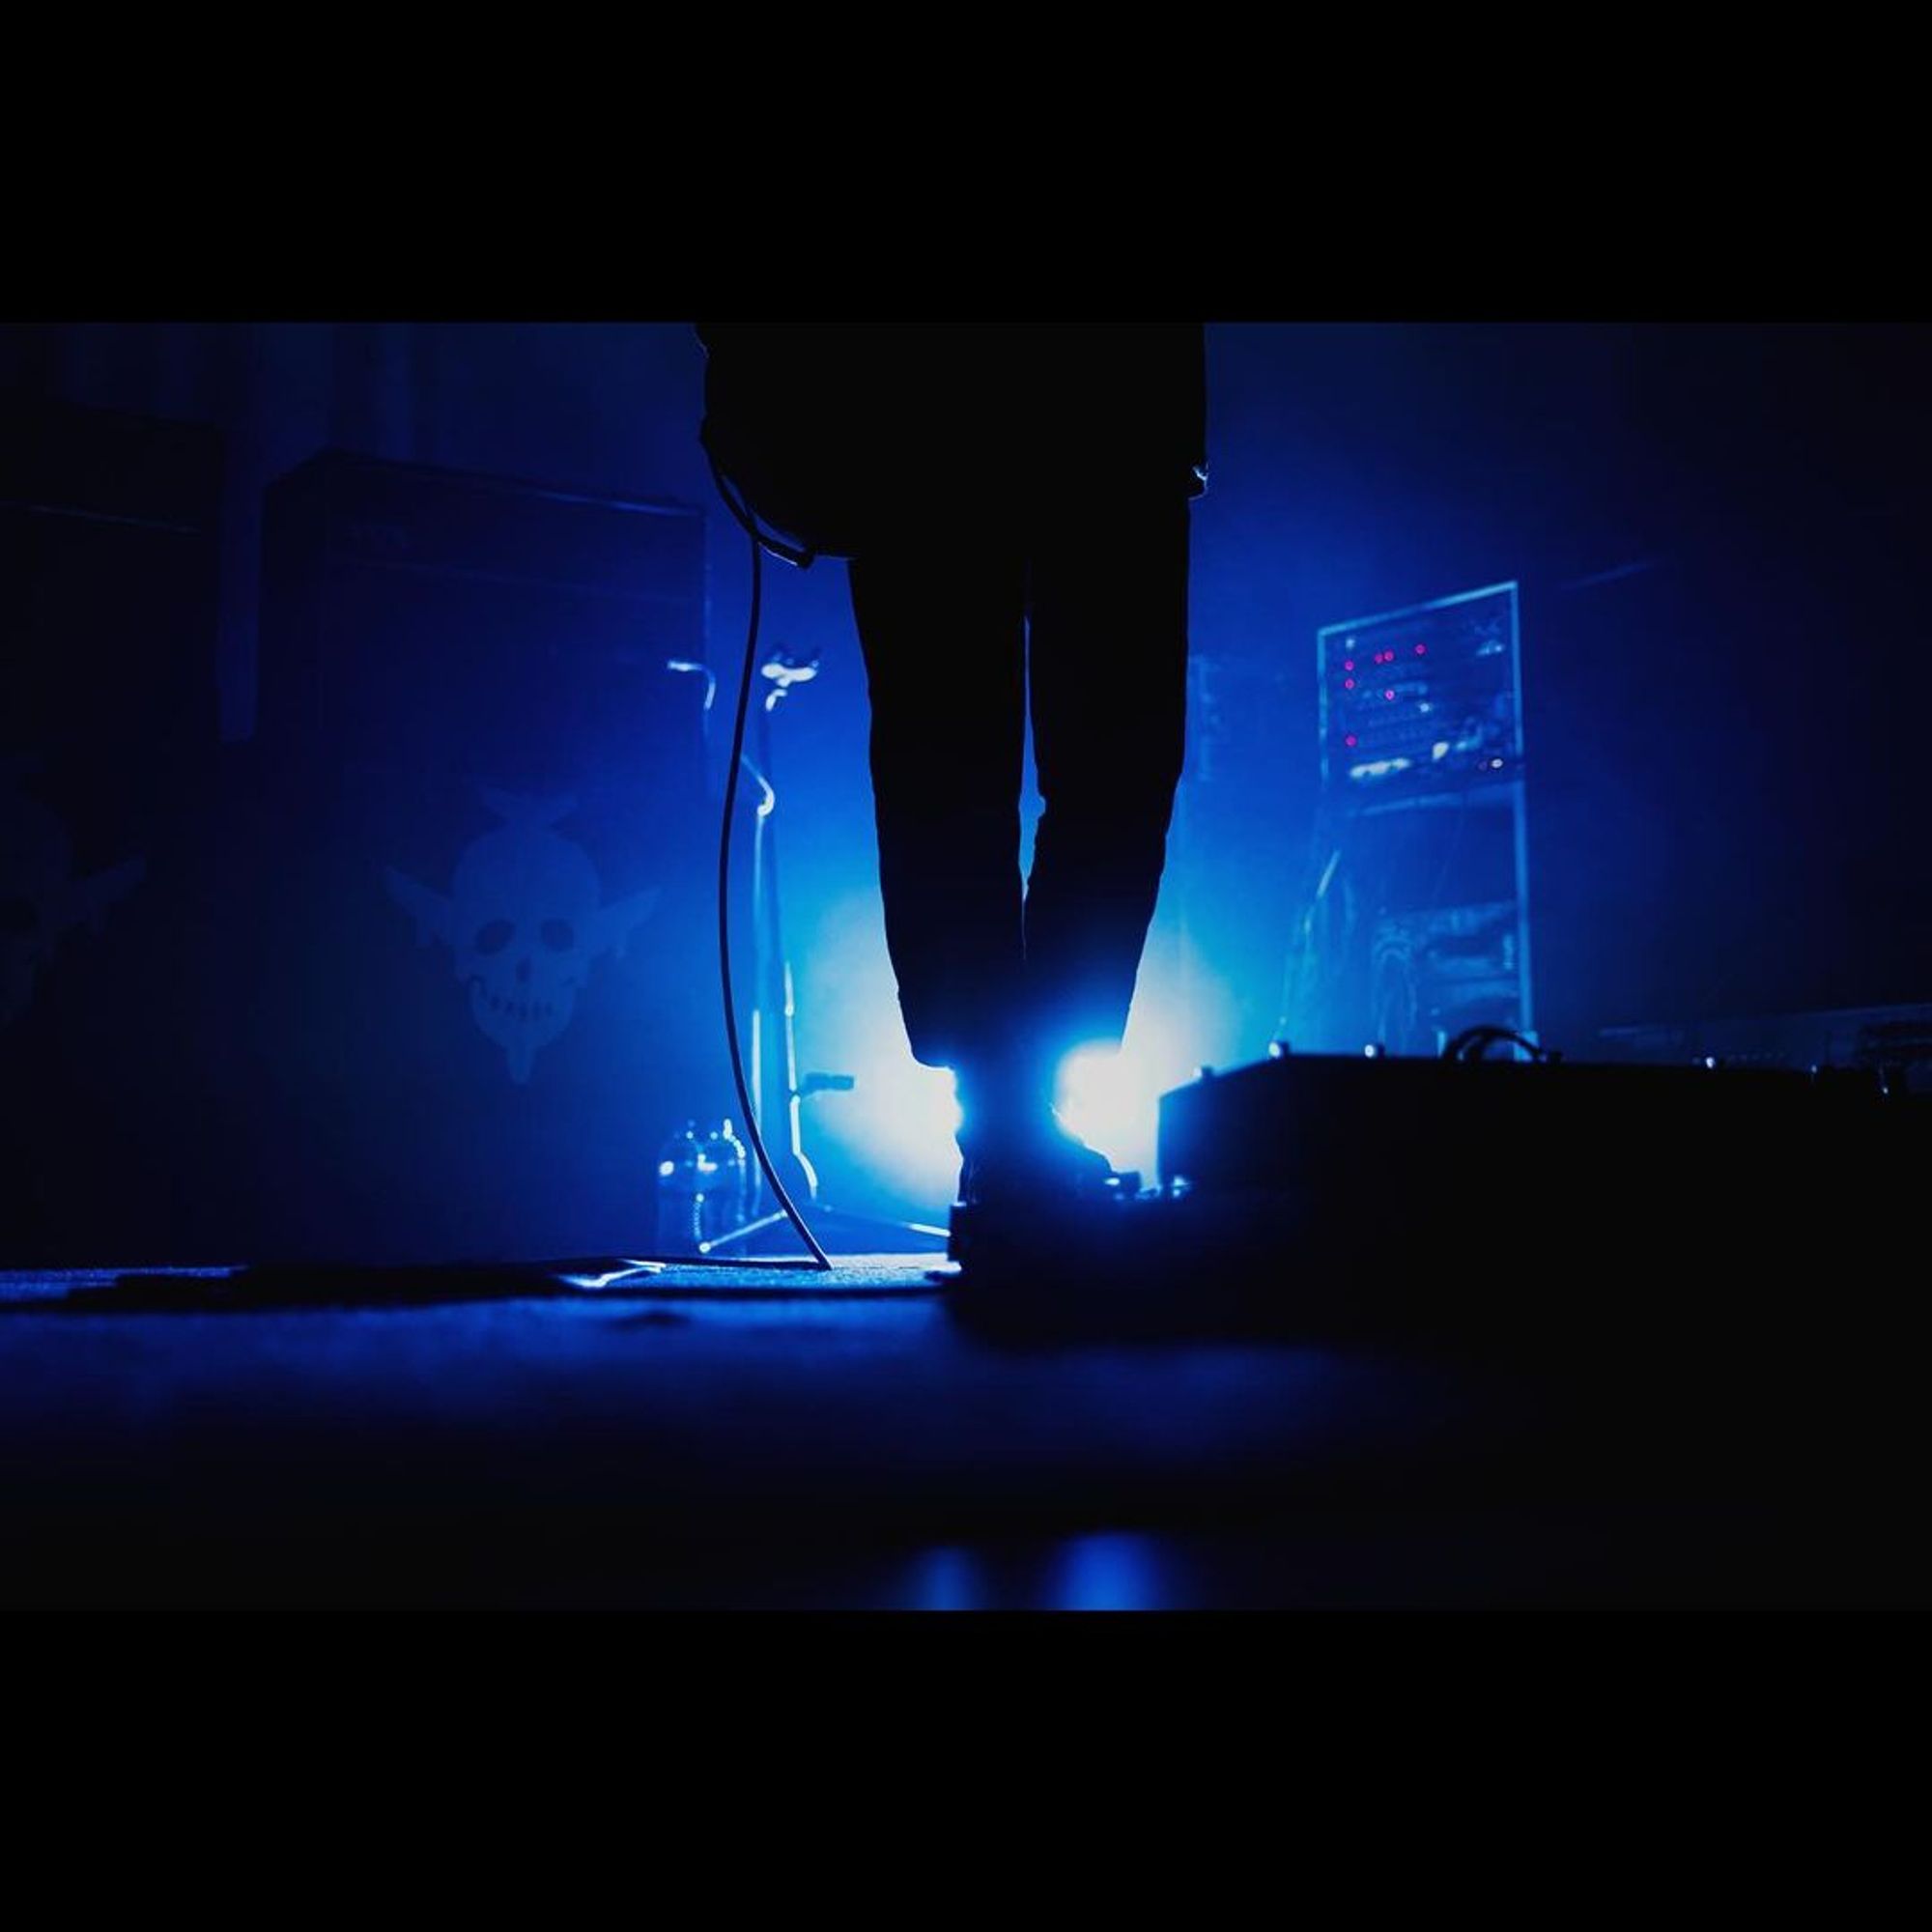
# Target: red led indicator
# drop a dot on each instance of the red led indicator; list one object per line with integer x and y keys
{"x": 1347, "y": 684}
{"x": 1348, "y": 664}
{"x": 1422, "y": 650}
{"x": 1388, "y": 694}
{"x": 1349, "y": 741}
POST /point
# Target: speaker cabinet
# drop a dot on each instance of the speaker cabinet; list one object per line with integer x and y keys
{"x": 471, "y": 986}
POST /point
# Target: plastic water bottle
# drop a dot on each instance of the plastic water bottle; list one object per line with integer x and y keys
{"x": 726, "y": 1174}
{"x": 680, "y": 1192}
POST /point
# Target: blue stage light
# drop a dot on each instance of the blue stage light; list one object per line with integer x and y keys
{"x": 899, "y": 1123}
{"x": 1112, "y": 1100}
{"x": 1108, "y": 1571}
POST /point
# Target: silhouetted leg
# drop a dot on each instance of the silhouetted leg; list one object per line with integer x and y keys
{"x": 1108, "y": 664}
{"x": 945, "y": 662}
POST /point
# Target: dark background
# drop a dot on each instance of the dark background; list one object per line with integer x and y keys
{"x": 1719, "y": 532}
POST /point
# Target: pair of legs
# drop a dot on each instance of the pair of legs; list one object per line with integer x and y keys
{"x": 1078, "y": 610}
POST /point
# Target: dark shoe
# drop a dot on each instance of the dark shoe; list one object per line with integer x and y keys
{"x": 1030, "y": 1200}
{"x": 1041, "y": 1166}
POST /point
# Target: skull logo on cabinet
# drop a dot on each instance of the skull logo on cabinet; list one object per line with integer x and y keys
{"x": 40, "y": 899}
{"x": 525, "y": 921}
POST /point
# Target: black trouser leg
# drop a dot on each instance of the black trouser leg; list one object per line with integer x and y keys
{"x": 1108, "y": 667}
{"x": 945, "y": 650}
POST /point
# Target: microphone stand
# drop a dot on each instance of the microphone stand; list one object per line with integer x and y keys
{"x": 774, "y": 1076}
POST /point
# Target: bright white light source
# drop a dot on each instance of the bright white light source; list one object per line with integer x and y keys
{"x": 904, "y": 1122}
{"x": 886, "y": 1146}
{"x": 1112, "y": 1100}
{"x": 928, "y": 1102}
{"x": 1099, "y": 1095}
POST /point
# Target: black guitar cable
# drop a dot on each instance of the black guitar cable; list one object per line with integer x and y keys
{"x": 818, "y": 1254}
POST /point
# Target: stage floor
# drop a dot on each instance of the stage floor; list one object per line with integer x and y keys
{"x": 778, "y": 1439}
